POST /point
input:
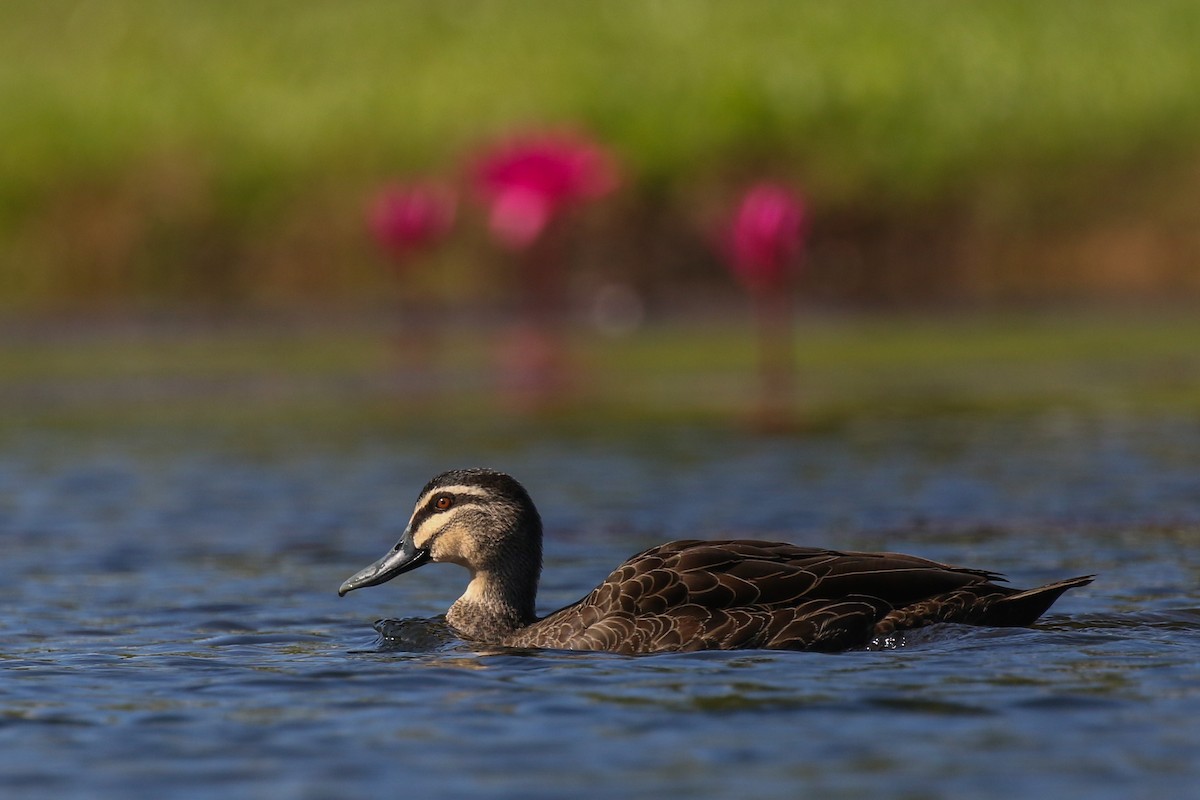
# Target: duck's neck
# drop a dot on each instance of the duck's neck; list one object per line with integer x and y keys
{"x": 494, "y": 606}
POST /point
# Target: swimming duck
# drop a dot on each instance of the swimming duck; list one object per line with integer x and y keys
{"x": 684, "y": 595}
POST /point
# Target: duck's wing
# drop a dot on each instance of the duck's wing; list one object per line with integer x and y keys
{"x": 780, "y": 596}
{"x": 692, "y": 595}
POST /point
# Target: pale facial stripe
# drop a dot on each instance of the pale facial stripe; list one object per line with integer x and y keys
{"x": 420, "y": 511}
{"x": 458, "y": 490}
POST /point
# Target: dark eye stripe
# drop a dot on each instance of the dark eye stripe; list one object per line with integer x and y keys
{"x": 429, "y": 509}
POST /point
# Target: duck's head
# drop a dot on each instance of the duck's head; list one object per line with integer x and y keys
{"x": 479, "y": 518}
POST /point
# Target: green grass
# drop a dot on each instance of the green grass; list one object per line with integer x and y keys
{"x": 139, "y": 133}
{"x": 865, "y": 94}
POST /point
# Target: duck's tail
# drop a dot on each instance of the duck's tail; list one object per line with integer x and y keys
{"x": 1024, "y": 607}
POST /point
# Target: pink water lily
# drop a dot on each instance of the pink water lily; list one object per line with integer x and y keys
{"x": 765, "y": 235}
{"x": 527, "y": 181}
{"x": 405, "y": 219}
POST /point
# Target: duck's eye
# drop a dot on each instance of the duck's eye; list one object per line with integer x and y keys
{"x": 443, "y": 502}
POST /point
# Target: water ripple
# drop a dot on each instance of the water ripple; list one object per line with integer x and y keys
{"x": 173, "y": 629}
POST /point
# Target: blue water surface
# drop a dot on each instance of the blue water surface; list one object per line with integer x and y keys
{"x": 171, "y": 626}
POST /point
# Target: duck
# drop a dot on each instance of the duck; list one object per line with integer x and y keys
{"x": 685, "y": 595}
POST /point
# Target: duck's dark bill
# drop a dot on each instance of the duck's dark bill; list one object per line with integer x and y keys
{"x": 405, "y": 557}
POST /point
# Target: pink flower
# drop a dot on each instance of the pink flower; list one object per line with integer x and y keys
{"x": 765, "y": 235}
{"x": 407, "y": 219}
{"x": 528, "y": 180}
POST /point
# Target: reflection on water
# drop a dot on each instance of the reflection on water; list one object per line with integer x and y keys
{"x": 415, "y": 635}
{"x": 172, "y": 625}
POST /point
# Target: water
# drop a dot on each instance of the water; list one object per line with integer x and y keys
{"x": 171, "y": 626}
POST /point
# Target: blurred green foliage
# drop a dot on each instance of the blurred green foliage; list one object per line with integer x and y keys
{"x": 143, "y": 140}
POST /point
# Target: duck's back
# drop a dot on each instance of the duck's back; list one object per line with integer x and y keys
{"x": 699, "y": 595}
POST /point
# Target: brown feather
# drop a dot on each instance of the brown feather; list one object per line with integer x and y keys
{"x": 692, "y": 595}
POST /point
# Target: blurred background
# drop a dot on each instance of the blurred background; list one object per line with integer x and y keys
{"x": 186, "y": 195}
{"x": 913, "y": 276}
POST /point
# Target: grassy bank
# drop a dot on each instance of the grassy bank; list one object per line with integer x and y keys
{"x": 180, "y": 150}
